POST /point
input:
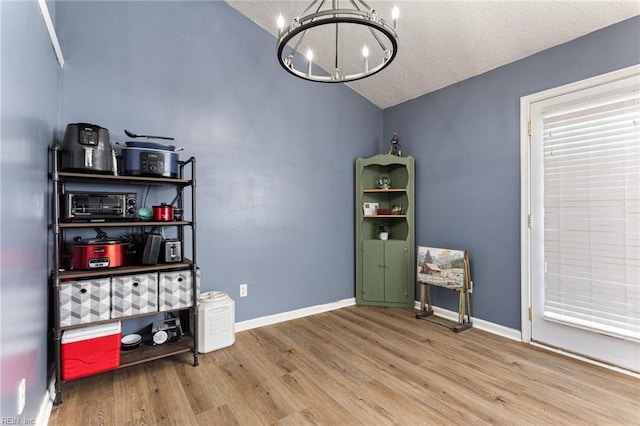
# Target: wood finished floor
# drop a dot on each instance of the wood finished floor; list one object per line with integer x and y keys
{"x": 357, "y": 365}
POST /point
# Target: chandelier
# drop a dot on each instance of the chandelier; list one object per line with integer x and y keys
{"x": 361, "y": 43}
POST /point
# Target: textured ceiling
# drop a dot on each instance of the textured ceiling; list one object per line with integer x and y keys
{"x": 443, "y": 42}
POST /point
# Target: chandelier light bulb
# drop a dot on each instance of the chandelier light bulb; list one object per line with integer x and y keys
{"x": 310, "y": 64}
{"x": 395, "y": 14}
{"x": 365, "y": 53}
{"x": 280, "y": 22}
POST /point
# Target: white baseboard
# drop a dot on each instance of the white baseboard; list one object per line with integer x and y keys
{"x": 493, "y": 328}
{"x": 516, "y": 335}
{"x": 298, "y": 313}
{"x": 47, "y": 404}
{"x": 497, "y": 329}
{"x": 585, "y": 359}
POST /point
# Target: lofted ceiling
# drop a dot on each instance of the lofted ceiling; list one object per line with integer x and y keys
{"x": 443, "y": 42}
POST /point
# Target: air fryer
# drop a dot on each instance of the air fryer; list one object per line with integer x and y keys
{"x": 86, "y": 148}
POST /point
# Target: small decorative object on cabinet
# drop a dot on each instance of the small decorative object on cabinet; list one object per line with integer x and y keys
{"x": 96, "y": 284}
{"x": 370, "y": 209}
{"x": 383, "y": 231}
{"x": 397, "y": 209}
{"x": 395, "y": 146}
{"x": 445, "y": 268}
{"x": 385, "y": 269}
{"x": 383, "y": 182}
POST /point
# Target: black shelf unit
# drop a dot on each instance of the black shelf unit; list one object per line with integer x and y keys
{"x": 58, "y": 274}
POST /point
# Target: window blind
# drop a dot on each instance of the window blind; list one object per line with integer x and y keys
{"x": 591, "y": 151}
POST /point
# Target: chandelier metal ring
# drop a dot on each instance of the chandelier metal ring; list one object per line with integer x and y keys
{"x": 368, "y": 18}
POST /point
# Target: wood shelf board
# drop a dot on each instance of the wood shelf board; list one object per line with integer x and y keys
{"x": 385, "y": 190}
{"x": 123, "y": 270}
{"x": 145, "y": 353}
{"x": 123, "y": 224}
{"x": 384, "y": 215}
{"x": 124, "y": 179}
{"x": 378, "y": 239}
{"x": 125, "y": 318}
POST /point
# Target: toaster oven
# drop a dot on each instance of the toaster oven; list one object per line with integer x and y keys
{"x": 99, "y": 206}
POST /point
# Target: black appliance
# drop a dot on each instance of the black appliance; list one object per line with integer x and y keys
{"x": 166, "y": 331}
{"x": 99, "y": 206}
{"x": 150, "y": 159}
{"x": 151, "y": 250}
{"x": 86, "y": 148}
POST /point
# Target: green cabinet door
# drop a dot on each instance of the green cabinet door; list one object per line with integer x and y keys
{"x": 396, "y": 272}
{"x": 373, "y": 270}
{"x": 385, "y": 271}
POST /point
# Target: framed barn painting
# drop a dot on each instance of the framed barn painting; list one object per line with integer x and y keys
{"x": 447, "y": 268}
{"x": 442, "y": 267}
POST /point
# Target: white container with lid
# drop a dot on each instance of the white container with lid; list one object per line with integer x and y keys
{"x": 216, "y": 321}
{"x": 91, "y": 332}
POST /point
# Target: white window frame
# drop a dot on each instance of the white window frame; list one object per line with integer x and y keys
{"x": 525, "y": 177}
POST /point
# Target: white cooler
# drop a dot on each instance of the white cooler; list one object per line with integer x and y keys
{"x": 216, "y": 321}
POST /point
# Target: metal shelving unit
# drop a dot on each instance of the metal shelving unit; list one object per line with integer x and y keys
{"x": 59, "y": 274}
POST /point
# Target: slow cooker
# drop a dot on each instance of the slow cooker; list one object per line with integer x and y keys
{"x": 150, "y": 159}
{"x": 98, "y": 253}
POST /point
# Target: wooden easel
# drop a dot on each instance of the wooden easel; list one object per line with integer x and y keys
{"x": 464, "y": 303}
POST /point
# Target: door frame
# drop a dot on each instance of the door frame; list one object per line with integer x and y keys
{"x": 525, "y": 179}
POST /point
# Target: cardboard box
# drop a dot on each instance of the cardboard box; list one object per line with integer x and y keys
{"x": 90, "y": 350}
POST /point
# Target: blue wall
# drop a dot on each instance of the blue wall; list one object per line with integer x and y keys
{"x": 275, "y": 154}
{"x": 29, "y": 79}
{"x": 466, "y": 141}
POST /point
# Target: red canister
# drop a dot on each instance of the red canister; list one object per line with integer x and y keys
{"x": 163, "y": 212}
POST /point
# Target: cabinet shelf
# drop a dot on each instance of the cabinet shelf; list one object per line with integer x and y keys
{"x": 125, "y": 318}
{"x": 123, "y": 224}
{"x": 373, "y": 216}
{"x": 145, "y": 353}
{"x": 385, "y": 190}
{"x": 123, "y": 270}
{"x": 378, "y": 239}
{"x": 137, "y": 180}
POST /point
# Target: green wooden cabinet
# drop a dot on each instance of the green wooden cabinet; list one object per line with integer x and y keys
{"x": 385, "y": 272}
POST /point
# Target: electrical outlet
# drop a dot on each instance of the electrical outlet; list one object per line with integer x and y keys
{"x": 471, "y": 287}
{"x": 243, "y": 290}
{"x": 22, "y": 395}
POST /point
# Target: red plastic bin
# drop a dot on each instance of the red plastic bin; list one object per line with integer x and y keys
{"x": 90, "y": 350}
